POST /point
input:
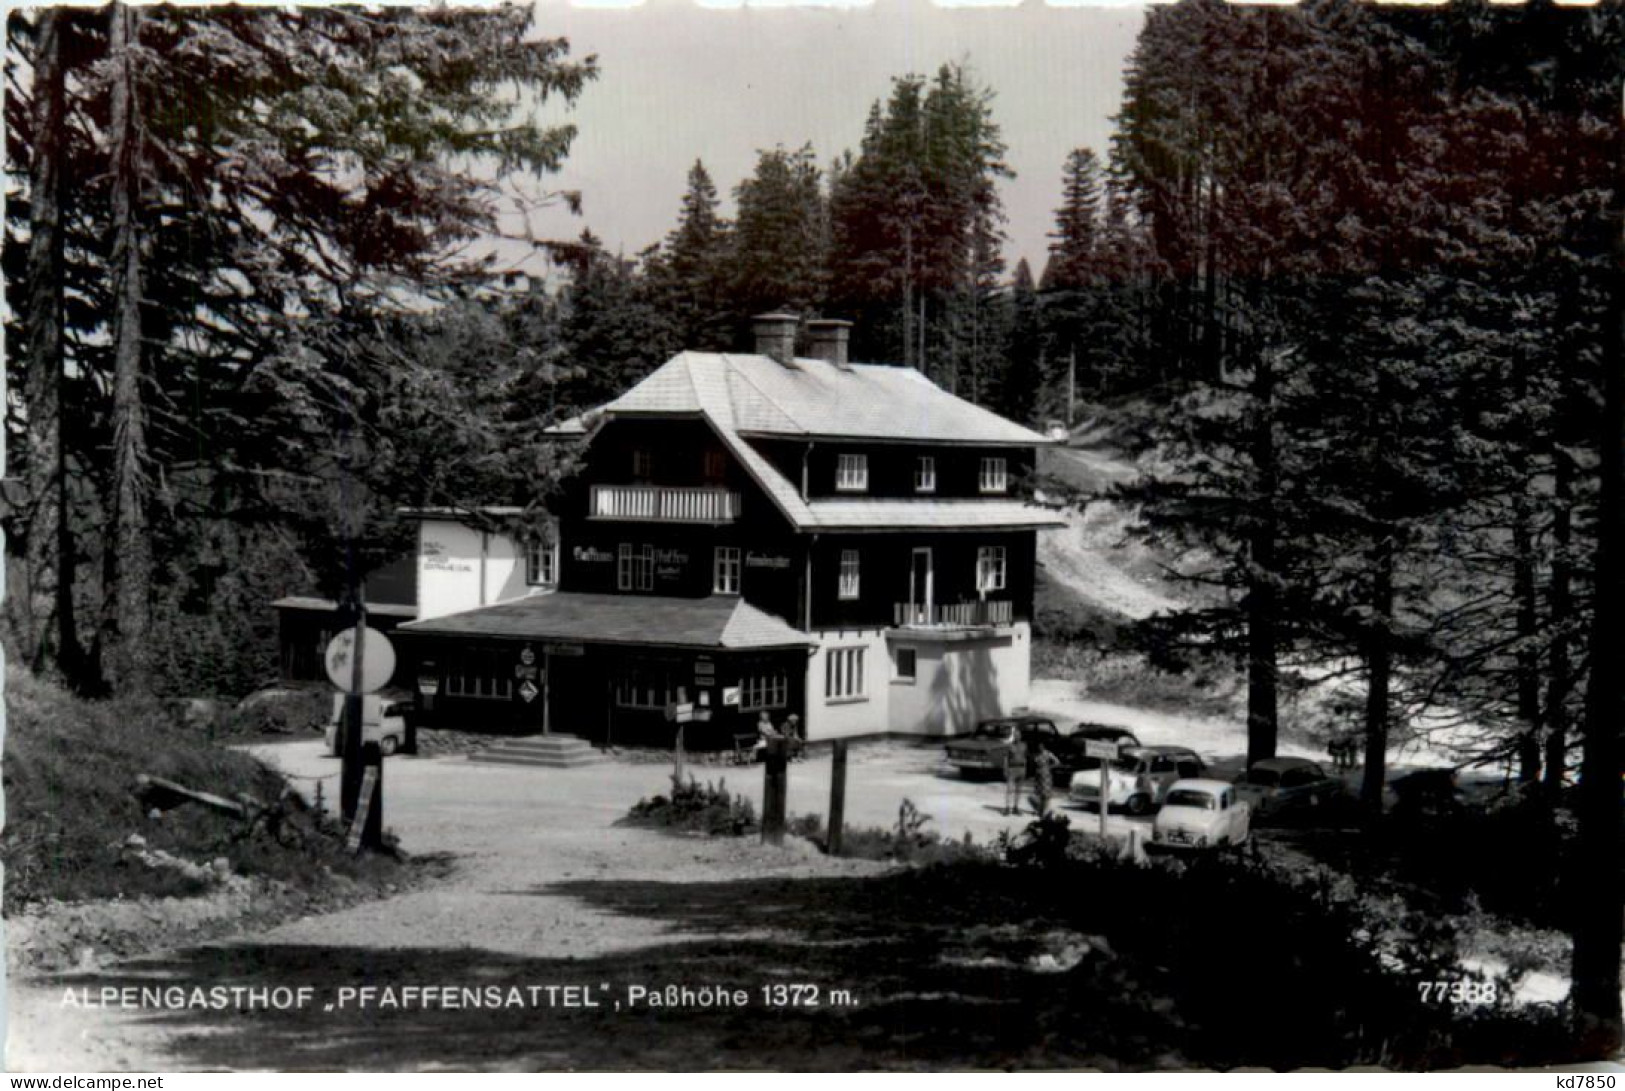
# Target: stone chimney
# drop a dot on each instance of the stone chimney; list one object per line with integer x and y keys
{"x": 776, "y": 336}
{"x": 829, "y": 337}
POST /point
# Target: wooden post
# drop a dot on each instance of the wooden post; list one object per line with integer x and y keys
{"x": 775, "y": 790}
{"x": 367, "y": 824}
{"x": 1105, "y": 799}
{"x": 837, "y": 798}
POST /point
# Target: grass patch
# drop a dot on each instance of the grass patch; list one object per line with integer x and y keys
{"x": 70, "y": 767}
{"x": 908, "y": 842}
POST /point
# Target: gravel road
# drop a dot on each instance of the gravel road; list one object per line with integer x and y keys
{"x": 526, "y": 843}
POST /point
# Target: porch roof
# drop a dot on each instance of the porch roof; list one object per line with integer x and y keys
{"x": 716, "y": 622}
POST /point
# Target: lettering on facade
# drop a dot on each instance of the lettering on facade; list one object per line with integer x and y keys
{"x": 589, "y": 555}
{"x": 437, "y": 558}
{"x": 670, "y": 556}
{"x": 766, "y": 560}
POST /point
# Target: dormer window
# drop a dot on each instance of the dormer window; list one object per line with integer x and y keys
{"x": 852, "y": 473}
{"x": 995, "y": 477}
{"x": 925, "y": 474}
{"x": 643, "y": 464}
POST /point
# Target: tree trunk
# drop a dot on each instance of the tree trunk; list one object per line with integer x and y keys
{"x": 1379, "y": 669}
{"x": 1560, "y": 671}
{"x": 1262, "y": 603}
{"x": 1528, "y": 655}
{"x": 1599, "y": 907}
{"x": 130, "y": 659}
{"x": 48, "y": 564}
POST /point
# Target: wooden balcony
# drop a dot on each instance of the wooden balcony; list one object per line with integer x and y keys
{"x": 654, "y": 504}
{"x": 957, "y": 615}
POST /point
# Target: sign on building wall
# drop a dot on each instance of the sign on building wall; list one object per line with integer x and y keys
{"x": 437, "y": 558}
{"x": 766, "y": 560}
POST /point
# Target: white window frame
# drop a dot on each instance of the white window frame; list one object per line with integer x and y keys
{"x": 897, "y": 674}
{"x": 844, "y": 676}
{"x": 925, "y": 474}
{"x": 726, "y": 568}
{"x": 542, "y": 563}
{"x": 758, "y": 692}
{"x": 852, "y": 473}
{"x": 476, "y": 674}
{"x": 991, "y": 569}
{"x": 634, "y": 567}
{"x": 995, "y": 474}
{"x": 851, "y": 575}
{"x": 637, "y": 688}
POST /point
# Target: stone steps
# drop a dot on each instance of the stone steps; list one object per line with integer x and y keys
{"x": 548, "y": 751}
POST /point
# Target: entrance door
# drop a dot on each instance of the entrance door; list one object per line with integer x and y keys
{"x": 919, "y": 587}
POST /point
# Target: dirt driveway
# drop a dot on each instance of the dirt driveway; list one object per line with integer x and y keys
{"x": 538, "y": 862}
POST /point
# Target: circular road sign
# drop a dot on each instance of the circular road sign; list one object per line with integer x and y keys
{"x": 377, "y": 663}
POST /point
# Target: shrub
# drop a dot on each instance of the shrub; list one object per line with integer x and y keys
{"x": 910, "y": 842}
{"x": 708, "y": 809}
{"x": 1044, "y": 843}
{"x": 277, "y": 712}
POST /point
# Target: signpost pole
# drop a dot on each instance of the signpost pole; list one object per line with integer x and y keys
{"x": 350, "y": 769}
{"x": 547, "y": 690}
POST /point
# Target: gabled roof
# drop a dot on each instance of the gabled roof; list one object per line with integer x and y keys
{"x": 748, "y": 395}
{"x": 723, "y": 622}
{"x": 814, "y": 398}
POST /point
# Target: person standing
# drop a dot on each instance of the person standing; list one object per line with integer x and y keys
{"x": 1044, "y": 764}
{"x": 1015, "y": 774}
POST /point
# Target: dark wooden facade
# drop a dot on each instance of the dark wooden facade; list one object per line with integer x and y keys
{"x": 612, "y": 695}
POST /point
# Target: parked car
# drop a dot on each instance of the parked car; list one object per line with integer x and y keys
{"x": 381, "y": 722}
{"x": 1277, "y": 786}
{"x": 983, "y": 750}
{"x": 1139, "y": 778}
{"x": 1201, "y": 814}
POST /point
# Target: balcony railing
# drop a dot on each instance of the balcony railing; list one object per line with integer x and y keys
{"x": 652, "y": 503}
{"x": 955, "y": 615}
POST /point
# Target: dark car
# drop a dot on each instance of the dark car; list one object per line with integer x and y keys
{"x": 1278, "y": 786}
{"x": 983, "y": 750}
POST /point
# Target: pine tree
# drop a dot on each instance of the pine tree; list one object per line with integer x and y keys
{"x": 781, "y": 242}
{"x": 690, "y": 274}
{"x": 282, "y": 175}
{"x": 914, "y": 220}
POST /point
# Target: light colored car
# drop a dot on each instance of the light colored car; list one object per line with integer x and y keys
{"x": 1201, "y": 814}
{"x": 1277, "y": 785}
{"x": 1139, "y": 778}
{"x": 381, "y": 722}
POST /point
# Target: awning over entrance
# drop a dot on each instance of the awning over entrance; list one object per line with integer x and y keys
{"x": 719, "y": 621}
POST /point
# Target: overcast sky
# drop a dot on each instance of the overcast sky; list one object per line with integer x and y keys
{"x": 680, "y": 82}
